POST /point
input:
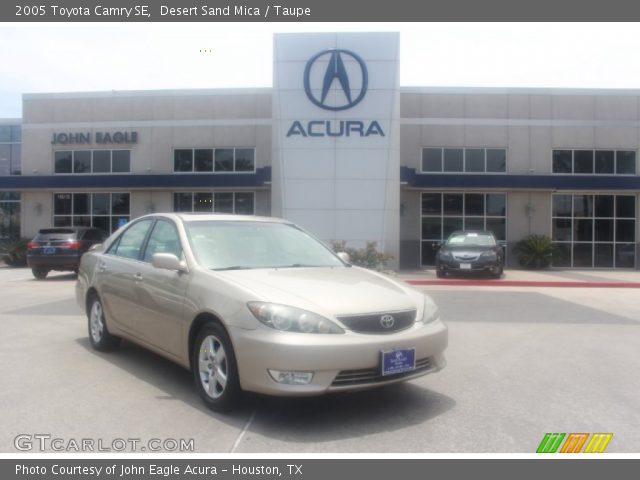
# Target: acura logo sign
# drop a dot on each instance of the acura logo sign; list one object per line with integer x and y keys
{"x": 387, "y": 321}
{"x": 335, "y": 79}
{"x": 332, "y": 61}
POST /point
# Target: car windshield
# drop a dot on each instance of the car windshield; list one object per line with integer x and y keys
{"x": 236, "y": 245}
{"x": 471, "y": 240}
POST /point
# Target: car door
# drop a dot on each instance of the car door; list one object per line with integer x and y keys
{"x": 159, "y": 292}
{"x": 115, "y": 272}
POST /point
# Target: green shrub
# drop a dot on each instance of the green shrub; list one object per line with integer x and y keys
{"x": 367, "y": 257}
{"x": 14, "y": 252}
{"x": 535, "y": 251}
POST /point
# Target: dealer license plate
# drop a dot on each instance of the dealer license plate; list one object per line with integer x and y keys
{"x": 398, "y": 361}
{"x": 465, "y": 266}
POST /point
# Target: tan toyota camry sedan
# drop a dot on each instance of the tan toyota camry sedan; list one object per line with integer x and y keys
{"x": 255, "y": 304}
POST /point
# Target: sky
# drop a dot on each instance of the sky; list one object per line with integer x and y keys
{"x": 95, "y": 57}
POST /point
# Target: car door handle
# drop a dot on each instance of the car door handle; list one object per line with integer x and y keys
{"x": 137, "y": 277}
{"x": 102, "y": 267}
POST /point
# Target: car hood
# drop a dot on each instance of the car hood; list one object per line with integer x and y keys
{"x": 335, "y": 291}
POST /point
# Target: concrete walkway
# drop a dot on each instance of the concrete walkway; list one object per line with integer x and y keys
{"x": 524, "y": 278}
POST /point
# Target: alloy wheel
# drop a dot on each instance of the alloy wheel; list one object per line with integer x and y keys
{"x": 97, "y": 322}
{"x": 213, "y": 367}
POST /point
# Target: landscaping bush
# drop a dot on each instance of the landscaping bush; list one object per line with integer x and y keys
{"x": 535, "y": 252}
{"x": 367, "y": 257}
{"x": 14, "y": 252}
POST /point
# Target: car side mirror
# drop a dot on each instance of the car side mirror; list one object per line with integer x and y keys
{"x": 344, "y": 256}
{"x": 168, "y": 261}
{"x": 95, "y": 246}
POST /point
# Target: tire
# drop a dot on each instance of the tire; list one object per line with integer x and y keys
{"x": 99, "y": 335}
{"x": 215, "y": 370}
{"x": 40, "y": 273}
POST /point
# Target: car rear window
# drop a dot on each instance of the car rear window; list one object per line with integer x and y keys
{"x": 55, "y": 234}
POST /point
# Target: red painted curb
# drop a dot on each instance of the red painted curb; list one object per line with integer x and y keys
{"x": 524, "y": 283}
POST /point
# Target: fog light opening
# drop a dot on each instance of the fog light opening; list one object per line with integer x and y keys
{"x": 291, "y": 378}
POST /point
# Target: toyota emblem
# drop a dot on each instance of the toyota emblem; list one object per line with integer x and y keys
{"x": 387, "y": 321}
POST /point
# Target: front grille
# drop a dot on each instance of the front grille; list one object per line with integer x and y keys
{"x": 373, "y": 323}
{"x": 466, "y": 258}
{"x": 364, "y": 376}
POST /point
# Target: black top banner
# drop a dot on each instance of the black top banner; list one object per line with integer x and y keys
{"x": 316, "y": 10}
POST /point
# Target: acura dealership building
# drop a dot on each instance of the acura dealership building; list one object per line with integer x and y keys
{"x": 339, "y": 147}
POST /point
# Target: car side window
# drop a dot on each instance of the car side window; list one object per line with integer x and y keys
{"x": 164, "y": 238}
{"x": 130, "y": 242}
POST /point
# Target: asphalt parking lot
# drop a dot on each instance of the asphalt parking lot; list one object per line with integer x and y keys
{"x": 521, "y": 362}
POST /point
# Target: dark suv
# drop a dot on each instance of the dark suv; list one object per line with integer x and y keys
{"x": 60, "y": 248}
{"x": 470, "y": 251}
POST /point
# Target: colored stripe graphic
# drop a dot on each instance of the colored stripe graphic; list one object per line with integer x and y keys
{"x": 550, "y": 443}
{"x": 598, "y": 442}
{"x": 574, "y": 443}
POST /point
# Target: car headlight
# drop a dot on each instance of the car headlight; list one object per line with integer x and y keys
{"x": 488, "y": 255}
{"x": 291, "y": 319}
{"x": 445, "y": 254}
{"x": 430, "y": 311}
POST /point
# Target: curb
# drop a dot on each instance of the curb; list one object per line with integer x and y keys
{"x": 524, "y": 283}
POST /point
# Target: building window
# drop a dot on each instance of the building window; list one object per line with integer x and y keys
{"x": 92, "y": 161}
{"x": 107, "y": 211}
{"x": 9, "y": 215}
{"x": 10, "y": 149}
{"x": 464, "y": 160}
{"x": 594, "y": 230}
{"x": 594, "y": 162}
{"x": 218, "y": 160}
{"x": 240, "y": 203}
{"x": 224, "y": 160}
{"x": 203, "y": 160}
{"x": 183, "y": 160}
{"x": 445, "y": 212}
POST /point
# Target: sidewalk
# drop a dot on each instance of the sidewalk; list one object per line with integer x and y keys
{"x": 527, "y": 278}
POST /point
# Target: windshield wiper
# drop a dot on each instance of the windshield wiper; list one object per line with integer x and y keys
{"x": 235, "y": 267}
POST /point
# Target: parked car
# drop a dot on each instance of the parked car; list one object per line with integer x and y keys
{"x": 470, "y": 251}
{"x": 255, "y": 304}
{"x": 60, "y": 248}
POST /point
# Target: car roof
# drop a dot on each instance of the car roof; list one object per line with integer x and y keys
{"x": 477, "y": 232}
{"x": 217, "y": 217}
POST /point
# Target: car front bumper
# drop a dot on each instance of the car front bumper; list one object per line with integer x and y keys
{"x": 452, "y": 265}
{"x": 349, "y": 361}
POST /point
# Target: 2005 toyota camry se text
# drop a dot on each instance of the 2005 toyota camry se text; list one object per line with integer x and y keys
{"x": 255, "y": 304}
